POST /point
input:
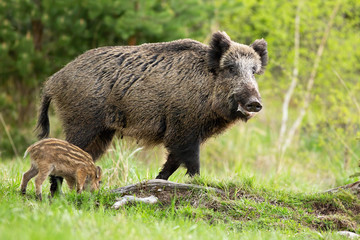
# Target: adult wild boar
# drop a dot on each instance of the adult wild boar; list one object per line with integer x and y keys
{"x": 176, "y": 93}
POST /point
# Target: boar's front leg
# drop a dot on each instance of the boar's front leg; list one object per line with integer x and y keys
{"x": 187, "y": 154}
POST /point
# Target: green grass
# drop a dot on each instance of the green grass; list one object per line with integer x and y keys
{"x": 267, "y": 197}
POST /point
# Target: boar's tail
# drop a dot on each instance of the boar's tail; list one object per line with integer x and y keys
{"x": 43, "y": 125}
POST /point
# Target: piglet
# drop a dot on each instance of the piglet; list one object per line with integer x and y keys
{"x": 61, "y": 158}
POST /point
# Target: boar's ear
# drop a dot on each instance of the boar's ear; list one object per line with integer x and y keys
{"x": 260, "y": 46}
{"x": 219, "y": 44}
{"x": 98, "y": 172}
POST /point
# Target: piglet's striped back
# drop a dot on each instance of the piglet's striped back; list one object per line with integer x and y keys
{"x": 59, "y": 149}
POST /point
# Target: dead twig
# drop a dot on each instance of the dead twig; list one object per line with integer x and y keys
{"x": 294, "y": 80}
{"x": 131, "y": 199}
{"x": 352, "y": 186}
{"x": 9, "y": 136}
{"x": 158, "y": 185}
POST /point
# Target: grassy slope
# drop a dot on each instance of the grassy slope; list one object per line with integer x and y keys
{"x": 266, "y": 199}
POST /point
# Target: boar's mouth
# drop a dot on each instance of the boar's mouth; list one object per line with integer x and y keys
{"x": 246, "y": 115}
{"x": 241, "y": 108}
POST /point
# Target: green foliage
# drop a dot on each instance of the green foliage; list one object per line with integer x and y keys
{"x": 329, "y": 130}
{"x": 39, "y": 37}
{"x": 334, "y": 101}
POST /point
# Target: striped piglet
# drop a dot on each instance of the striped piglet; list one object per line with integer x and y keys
{"x": 61, "y": 158}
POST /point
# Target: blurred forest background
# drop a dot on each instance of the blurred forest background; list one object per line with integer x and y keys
{"x": 310, "y": 90}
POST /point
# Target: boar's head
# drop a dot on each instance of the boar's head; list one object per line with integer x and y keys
{"x": 236, "y": 94}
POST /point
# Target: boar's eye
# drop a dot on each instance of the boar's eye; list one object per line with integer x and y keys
{"x": 254, "y": 70}
{"x": 232, "y": 69}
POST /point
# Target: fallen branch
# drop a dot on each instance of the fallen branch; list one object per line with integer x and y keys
{"x": 352, "y": 186}
{"x": 349, "y": 234}
{"x": 158, "y": 185}
{"x": 128, "y": 199}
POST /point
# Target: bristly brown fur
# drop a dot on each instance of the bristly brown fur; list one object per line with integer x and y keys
{"x": 60, "y": 158}
{"x": 176, "y": 93}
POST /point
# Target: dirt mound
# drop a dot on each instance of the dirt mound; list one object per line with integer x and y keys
{"x": 320, "y": 212}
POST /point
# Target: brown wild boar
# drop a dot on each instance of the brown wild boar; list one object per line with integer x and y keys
{"x": 176, "y": 93}
{"x": 60, "y": 158}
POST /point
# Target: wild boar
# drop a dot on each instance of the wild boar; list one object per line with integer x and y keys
{"x": 176, "y": 93}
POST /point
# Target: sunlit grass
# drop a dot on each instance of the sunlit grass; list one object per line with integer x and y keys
{"x": 89, "y": 216}
{"x": 244, "y": 157}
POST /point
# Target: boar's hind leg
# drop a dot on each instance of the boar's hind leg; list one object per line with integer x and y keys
{"x": 93, "y": 141}
{"x": 26, "y": 178}
{"x": 55, "y": 184}
{"x": 100, "y": 143}
{"x": 188, "y": 155}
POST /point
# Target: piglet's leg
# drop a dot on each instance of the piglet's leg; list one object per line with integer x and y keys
{"x": 26, "y": 178}
{"x": 71, "y": 182}
{"x": 80, "y": 179}
{"x": 44, "y": 172}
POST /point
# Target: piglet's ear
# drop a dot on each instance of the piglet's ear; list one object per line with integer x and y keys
{"x": 98, "y": 172}
{"x": 260, "y": 47}
{"x": 219, "y": 44}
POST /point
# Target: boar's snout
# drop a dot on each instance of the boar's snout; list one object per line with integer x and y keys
{"x": 246, "y": 105}
{"x": 253, "y": 105}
